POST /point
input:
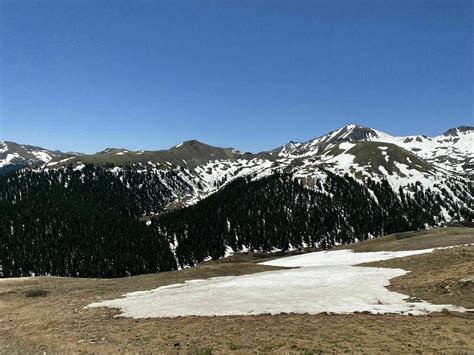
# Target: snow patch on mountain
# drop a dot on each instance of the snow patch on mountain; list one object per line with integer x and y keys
{"x": 15, "y": 156}
{"x": 8, "y": 159}
{"x": 60, "y": 161}
{"x": 42, "y": 155}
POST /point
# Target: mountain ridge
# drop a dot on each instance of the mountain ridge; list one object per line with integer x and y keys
{"x": 450, "y": 131}
{"x": 359, "y": 151}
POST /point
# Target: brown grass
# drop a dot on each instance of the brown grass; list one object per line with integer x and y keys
{"x": 58, "y": 322}
{"x": 36, "y": 293}
{"x": 443, "y": 276}
{"x": 425, "y": 239}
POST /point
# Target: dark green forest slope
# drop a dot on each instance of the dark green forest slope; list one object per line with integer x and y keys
{"x": 77, "y": 223}
{"x": 88, "y": 223}
{"x": 278, "y": 212}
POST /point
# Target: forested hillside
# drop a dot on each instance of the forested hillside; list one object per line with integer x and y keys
{"x": 89, "y": 222}
{"x": 78, "y": 223}
{"x": 279, "y": 212}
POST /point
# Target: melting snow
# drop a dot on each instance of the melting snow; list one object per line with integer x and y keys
{"x": 43, "y": 156}
{"x": 8, "y": 159}
{"x": 324, "y": 282}
{"x": 346, "y": 145}
{"x": 60, "y": 161}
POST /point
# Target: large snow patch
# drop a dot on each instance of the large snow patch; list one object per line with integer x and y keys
{"x": 323, "y": 282}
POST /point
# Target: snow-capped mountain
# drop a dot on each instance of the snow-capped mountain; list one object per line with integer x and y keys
{"x": 362, "y": 151}
{"x": 14, "y": 156}
{"x": 358, "y": 151}
{"x": 453, "y": 150}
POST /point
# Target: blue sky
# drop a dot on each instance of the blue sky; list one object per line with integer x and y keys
{"x": 86, "y": 75}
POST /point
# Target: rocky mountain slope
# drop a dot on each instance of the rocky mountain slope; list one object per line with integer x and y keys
{"x": 14, "y": 156}
{"x": 358, "y": 151}
{"x": 453, "y": 150}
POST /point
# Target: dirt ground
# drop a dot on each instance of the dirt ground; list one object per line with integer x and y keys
{"x": 46, "y": 314}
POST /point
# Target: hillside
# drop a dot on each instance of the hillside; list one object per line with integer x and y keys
{"x": 88, "y": 222}
{"x": 15, "y": 156}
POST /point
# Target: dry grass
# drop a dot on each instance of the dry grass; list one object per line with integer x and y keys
{"x": 443, "y": 277}
{"x": 36, "y": 293}
{"x": 57, "y": 322}
{"x": 425, "y": 239}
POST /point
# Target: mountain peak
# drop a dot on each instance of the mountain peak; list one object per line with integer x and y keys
{"x": 195, "y": 145}
{"x": 353, "y": 132}
{"x": 457, "y": 130}
{"x": 195, "y": 142}
{"x": 351, "y": 126}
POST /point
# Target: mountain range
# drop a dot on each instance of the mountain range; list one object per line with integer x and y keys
{"x": 358, "y": 151}
{"x": 121, "y": 212}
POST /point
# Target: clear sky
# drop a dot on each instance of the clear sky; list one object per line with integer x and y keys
{"x": 84, "y": 75}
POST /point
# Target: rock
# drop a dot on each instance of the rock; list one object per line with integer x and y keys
{"x": 466, "y": 281}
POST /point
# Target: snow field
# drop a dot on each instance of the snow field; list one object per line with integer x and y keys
{"x": 322, "y": 282}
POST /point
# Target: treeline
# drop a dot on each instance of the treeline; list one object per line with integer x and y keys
{"x": 88, "y": 223}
